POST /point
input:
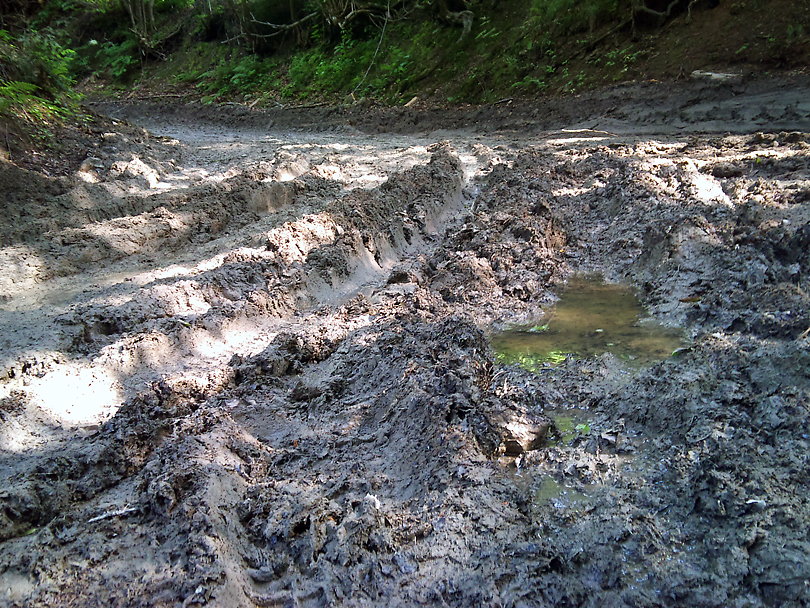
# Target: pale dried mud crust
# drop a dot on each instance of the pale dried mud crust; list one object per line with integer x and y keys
{"x": 302, "y": 407}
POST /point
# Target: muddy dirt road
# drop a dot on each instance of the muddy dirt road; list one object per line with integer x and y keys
{"x": 245, "y": 357}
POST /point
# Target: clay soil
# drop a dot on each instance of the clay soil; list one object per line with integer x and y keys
{"x": 245, "y": 356}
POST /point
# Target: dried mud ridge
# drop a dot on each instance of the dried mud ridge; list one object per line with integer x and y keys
{"x": 245, "y": 367}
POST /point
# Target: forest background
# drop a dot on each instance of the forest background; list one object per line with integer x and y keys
{"x": 295, "y": 52}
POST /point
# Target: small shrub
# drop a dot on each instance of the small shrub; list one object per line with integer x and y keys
{"x": 37, "y": 57}
{"x": 35, "y": 77}
{"x": 249, "y": 74}
{"x": 116, "y": 59}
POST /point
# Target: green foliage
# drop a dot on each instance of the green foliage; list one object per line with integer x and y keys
{"x": 20, "y": 100}
{"x": 126, "y": 33}
{"x": 329, "y": 50}
{"x": 311, "y": 71}
{"x": 533, "y": 362}
{"x": 246, "y": 75}
{"x": 617, "y": 62}
{"x": 35, "y": 77}
{"x": 57, "y": 14}
{"x": 37, "y": 57}
{"x": 111, "y": 59}
{"x": 487, "y": 31}
{"x": 583, "y": 428}
{"x": 795, "y": 33}
{"x": 392, "y": 72}
{"x": 530, "y": 84}
{"x": 342, "y": 70}
{"x": 362, "y": 61}
{"x": 572, "y": 16}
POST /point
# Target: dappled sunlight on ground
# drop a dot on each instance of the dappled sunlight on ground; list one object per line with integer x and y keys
{"x": 76, "y": 394}
{"x": 265, "y": 351}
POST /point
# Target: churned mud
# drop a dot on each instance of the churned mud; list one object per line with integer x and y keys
{"x": 245, "y": 361}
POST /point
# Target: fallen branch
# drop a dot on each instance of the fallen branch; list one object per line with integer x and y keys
{"x": 162, "y": 95}
{"x": 117, "y": 513}
{"x": 280, "y": 28}
{"x": 643, "y": 8}
{"x": 309, "y": 105}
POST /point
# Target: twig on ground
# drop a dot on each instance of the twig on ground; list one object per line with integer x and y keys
{"x": 309, "y": 105}
{"x": 116, "y": 513}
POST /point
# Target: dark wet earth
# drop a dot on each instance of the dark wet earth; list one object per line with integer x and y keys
{"x": 245, "y": 365}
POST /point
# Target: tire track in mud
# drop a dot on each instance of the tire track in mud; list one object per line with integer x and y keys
{"x": 249, "y": 281}
{"x": 321, "y": 257}
{"x": 353, "y": 457}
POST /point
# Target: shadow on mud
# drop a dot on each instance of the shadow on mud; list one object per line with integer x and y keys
{"x": 355, "y": 459}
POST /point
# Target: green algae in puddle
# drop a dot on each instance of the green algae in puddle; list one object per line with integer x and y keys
{"x": 558, "y": 495}
{"x": 568, "y": 424}
{"x": 591, "y": 318}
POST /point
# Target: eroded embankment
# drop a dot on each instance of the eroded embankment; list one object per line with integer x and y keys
{"x": 368, "y": 450}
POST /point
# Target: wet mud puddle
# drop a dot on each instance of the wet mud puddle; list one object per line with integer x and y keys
{"x": 559, "y": 495}
{"x": 591, "y": 318}
{"x": 568, "y": 425}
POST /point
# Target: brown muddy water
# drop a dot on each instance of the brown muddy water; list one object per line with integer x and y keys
{"x": 559, "y": 495}
{"x": 592, "y": 317}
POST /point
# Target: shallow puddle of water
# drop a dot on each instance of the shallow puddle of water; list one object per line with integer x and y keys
{"x": 542, "y": 490}
{"x": 568, "y": 425}
{"x": 558, "y": 495}
{"x": 591, "y": 318}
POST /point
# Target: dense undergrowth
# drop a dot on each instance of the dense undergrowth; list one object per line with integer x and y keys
{"x": 256, "y": 52}
{"x": 36, "y": 78}
{"x": 508, "y": 48}
{"x": 513, "y": 47}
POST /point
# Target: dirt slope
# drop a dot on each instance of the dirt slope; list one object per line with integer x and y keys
{"x": 247, "y": 365}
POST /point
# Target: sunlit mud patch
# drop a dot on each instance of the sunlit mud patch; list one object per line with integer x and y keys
{"x": 76, "y": 395}
{"x": 591, "y": 318}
